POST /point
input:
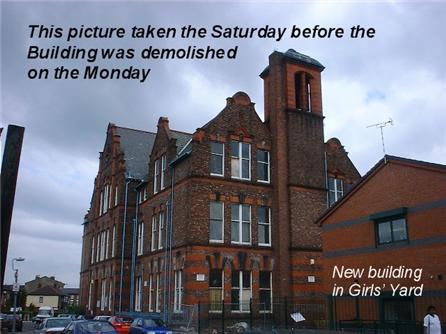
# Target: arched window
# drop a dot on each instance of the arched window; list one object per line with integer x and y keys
{"x": 302, "y": 91}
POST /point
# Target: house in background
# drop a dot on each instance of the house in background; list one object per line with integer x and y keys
{"x": 41, "y": 281}
{"x": 221, "y": 215}
{"x": 45, "y": 296}
{"x": 70, "y": 297}
{"x": 394, "y": 221}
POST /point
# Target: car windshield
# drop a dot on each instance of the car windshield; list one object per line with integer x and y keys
{"x": 44, "y": 312}
{"x": 154, "y": 322}
{"x": 95, "y": 327}
{"x": 57, "y": 323}
{"x": 124, "y": 319}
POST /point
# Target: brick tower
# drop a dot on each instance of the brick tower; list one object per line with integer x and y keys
{"x": 293, "y": 112}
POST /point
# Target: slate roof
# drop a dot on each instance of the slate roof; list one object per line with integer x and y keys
{"x": 183, "y": 138}
{"x": 70, "y": 291}
{"x": 45, "y": 291}
{"x": 137, "y": 146}
{"x": 293, "y": 54}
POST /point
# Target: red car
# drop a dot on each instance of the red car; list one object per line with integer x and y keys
{"x": 121, "y": 323}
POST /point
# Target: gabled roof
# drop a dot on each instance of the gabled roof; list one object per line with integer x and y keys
{"x": 45, "y": 291}
{"x": 380, "y": 164}
{"x": 136, "y": 146}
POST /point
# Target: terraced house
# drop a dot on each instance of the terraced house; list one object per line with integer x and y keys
{"x": 226, "y": 213}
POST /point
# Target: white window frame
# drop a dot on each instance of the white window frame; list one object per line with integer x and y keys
{"x": 140, "y": 239}
{"x": 240, "y": 225}
{"x": 155, "y": 176}
{"x": 107, "y": 242}
{"x": 222, "y": 159}
{"x": 158, "y": 293}
{"x": 178, "y": 292}
{"x": 138, "y": 294}
{"x": 222, "y": 222}
{"x": 271, "y": 292}
{"x": 113, "y": 241}
{"x": 163, "y": 171}
{"x": 268, "y": 224}
{"x": 110, "y": 295}
{"x": 161, "y": 228}
{"x": 116, "y": 195}
{"x": 101, "y": 202}
{"x": 103, "y": 293}
{"x": 154, "y": 245}
{"x": 268, "y": 164}
{"x": 93, "y": 250}
{"x": 98, "y": 247}
{"x": 150, "y": 292}
{"x": 241, "y": 290}
{"x": 338, "y": 190}
{"x": 240, "y": 161}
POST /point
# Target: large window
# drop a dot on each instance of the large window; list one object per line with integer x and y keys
{"x": 151, "y": 291}
{"x": 92, "y": 250}
{"x": 163, "y": 171}
{"x": 140, "y": 239}
{"x": 154, "y": 233}
{"x": 240, "y": 224}
{"x": 263, "y": 169}
{"x": 240, "y": 160}
{"x": 264, "y": 227}
{"x": 216, "y": 213}
{"x": 335, "y": 190}
{"x": 158, "y": 293}
{"x": 215, "y": 290}
{"x": 113, "y": 241}
{"x": 265, "y": 291}
{"x": 241, "y": 291}
{"x": 391, "y": 231}
{"x": 178, "y": 297}
{"x": 217, "y": 158}
{"x": 104, "y": 297}
{"x": 156, "y": 176}
{"x": 138, "y": 294}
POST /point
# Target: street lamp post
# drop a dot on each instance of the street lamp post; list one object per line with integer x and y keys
{"x": 16, "y": 288}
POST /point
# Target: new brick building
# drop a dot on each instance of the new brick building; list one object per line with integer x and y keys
{"x": 392, "y": 226}
{"x": 225, "y": 213}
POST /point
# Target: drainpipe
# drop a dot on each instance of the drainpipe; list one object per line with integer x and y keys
{"x": 132, "y": 272}
{"x": 327, "y": 196}
{"x": 168, "y": 251}
{"x": 124, "y": 223}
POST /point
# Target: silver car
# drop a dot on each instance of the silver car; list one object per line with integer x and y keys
{"x": 52, "y": 325}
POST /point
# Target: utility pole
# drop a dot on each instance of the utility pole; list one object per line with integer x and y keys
{"x": 15, "y": 289}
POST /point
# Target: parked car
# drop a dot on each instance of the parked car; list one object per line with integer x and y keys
{"x": 152, "y": 324}
{"x": 102, "y": 317}
{"x": 121, "y": 323}
{"x": 52, "y": 325}
{"x": 7, "y": 320}
{"x": 89, "y": 327}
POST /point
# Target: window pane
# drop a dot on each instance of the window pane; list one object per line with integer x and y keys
{"x": 246, "y": 233}
{"x": 245, "y": 169}
{"x": 235, "y": 279}
{"x": 215, "y": 279}
{"x": 235, "y": 231}
{"x": 246, "y": 299}
{"x": 331, "y": 183}
{"x": 265, "y": 300}
{"x": 246, "y": 212}
{"x": 245, "y": 151}
{"x": 384, "y": 232}
{"x": 246, "y": 279}
{"x": 215, "y": 230}
{"x": 216, "y": 148}
{"x": 264, "y": 280}
{"x": 235, "y": 299}
{"x": 217, "y": 164}
{"x": 234, "y": 212}
{"x": 261, "y": 213}
{"x": 399, "y": 230}
{"x": 262, "y": 171}
{"x": 262, "y": 156}
{"x": 235, "y": 149}
{"x": 216, "y": 210}
{"x": 263, "y": 235}
{"x": 235, "y": 167}
{"x": 331, "y": 197}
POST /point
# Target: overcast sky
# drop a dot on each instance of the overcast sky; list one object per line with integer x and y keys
{"x": 399, "y": 74}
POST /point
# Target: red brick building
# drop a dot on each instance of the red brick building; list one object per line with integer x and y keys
{"x": 392, "y": 225}
{"x": 225, "y": 213}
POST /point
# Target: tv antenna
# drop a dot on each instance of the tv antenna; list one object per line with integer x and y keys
{"x": 381, "y": 126}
